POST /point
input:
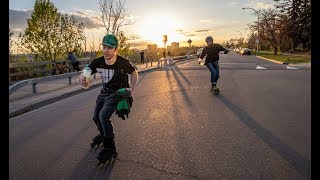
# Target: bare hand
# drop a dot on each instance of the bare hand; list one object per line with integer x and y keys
{"x": 130, "y": 90}
{"x": 82, "y": 80}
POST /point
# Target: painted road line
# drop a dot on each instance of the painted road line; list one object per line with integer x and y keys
{"x": 290, "y": 67}
{"x": 260, "y": 67}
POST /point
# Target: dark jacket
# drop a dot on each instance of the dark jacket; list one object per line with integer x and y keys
{"x": 72, "y": 58}
{"x": 212, "y": 53}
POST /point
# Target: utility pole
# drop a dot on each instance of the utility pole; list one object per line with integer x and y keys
{"x": 258, "y": 13}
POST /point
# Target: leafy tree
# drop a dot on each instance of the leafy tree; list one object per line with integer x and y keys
{"x": 263, "y": 44}
{"x": 72, "y": 34}
{"x": 11, "y": 33}
{"x": 41, "y": 37}
{"x": 298, "y": 15}
{"x": 272, "y": 28}
{"x": 49, "y": 34}
{"x": 124, "y": 48}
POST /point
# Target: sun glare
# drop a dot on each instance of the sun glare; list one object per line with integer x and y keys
{"x": 153, "y": 27}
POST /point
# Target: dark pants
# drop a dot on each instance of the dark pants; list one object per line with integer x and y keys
{"x": 106, "y": 105}
{"x": 76, "y": 66}
{"x": 142, "y": 60}
{"x": 214, "y": 70}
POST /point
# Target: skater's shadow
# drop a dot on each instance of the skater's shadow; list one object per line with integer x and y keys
{"x": 87, "y": 169}
{"x": 105, "y": 170}
{"x": 294, "y": 158}
{"x": 180, "y": 84}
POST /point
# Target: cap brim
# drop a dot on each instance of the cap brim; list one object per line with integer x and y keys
{"x": 110, "y": 45}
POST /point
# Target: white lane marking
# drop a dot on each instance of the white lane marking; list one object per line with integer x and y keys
{"x": 290, "y": 67}
{"x": 260, "y": 67}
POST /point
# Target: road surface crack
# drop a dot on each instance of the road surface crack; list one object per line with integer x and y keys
{"x": 157, "y": 169}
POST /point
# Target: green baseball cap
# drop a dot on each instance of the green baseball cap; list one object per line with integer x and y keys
{"x": 110, "y": 40}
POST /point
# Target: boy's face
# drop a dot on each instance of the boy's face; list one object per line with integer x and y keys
{"x": 109, "y": 52}
{"x": 210, "y": 43}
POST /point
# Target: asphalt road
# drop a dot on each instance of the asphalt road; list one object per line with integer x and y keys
{"x": 259, "y": 127}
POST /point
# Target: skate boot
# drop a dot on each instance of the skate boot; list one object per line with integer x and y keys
{"x": 97, "y": 140}
{"x": 214, "y": 89}
{"x": 108, "y": 153}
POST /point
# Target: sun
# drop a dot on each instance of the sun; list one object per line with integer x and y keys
{"x": 153, "y": 27}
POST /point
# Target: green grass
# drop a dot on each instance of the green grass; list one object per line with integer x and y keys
{"x": 294, "y": 59}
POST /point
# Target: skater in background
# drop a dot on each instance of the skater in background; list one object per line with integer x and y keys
{"x": 170, "y": 58}
{"x": 211, "y": 51}
{"x": 74, "y": 61}
{"x": 114, "y": 71}
{"x": 142, "y": 57}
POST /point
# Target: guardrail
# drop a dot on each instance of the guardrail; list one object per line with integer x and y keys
{"x": 168, "y": 61}
{"x": 34, "y": 81}
{"x": 39, "y": 67}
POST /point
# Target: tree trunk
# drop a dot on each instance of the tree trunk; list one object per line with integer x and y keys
{"x": 275, "y": 50}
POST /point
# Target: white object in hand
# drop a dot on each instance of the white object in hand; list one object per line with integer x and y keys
{"x": 87, "y": 74}
{"x": 201, "y": 61}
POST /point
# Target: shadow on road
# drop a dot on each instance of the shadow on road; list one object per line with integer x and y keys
{"x": 187, "y": 99}
{"x": 86, "y": 168}
{"x": 301, "y": 164}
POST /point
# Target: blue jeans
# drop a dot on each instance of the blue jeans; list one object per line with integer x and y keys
{"x": 106, "y": 105}
{"x": 214, "y": 70}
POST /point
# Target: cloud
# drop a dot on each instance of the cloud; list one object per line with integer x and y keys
{"x": 140, "y": 43}
{"x": 205, "y": 20}
{"x": 233, "y": 3}
{"x": 190, "y": 35}
{"x": 183, "y": 33}
{"x": 261, "y": 5}
{"x": 18, "y": 19}
{"x": 264, "y": 5}
{"x": 89, "y": 21}
{"x": 202, "y": 30}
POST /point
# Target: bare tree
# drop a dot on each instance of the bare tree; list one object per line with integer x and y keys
{"x": 114, "y": 15}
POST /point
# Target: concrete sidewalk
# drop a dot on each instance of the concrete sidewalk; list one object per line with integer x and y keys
{"x": 23, "y": 99}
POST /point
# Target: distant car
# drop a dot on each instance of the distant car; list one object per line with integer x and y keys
{"x": 245, "y": 51}
{"x": 199, "y": 52}
{"x": 238, "y": 49}
{"x": 188, "y": 55}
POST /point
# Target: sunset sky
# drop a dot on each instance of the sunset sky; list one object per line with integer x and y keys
{"x": 180, "y": 20}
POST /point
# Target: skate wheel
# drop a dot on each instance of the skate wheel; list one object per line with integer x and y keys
{"x": 98, "y": 164}
{"x": 92, "y": 145}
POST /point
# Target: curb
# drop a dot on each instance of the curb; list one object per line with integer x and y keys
{"x": 50, "y": 100}
{"x": 62, "y": 96}
{"x": 278, "y": 62}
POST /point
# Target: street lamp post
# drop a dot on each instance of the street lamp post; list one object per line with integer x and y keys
{"x": 165, "y": 39}
{"x": 240, "y": 39}
{"x": 257, "y": 12}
